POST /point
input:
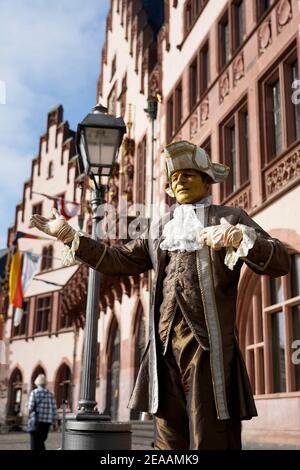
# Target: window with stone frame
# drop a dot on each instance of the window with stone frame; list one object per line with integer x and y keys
{"x": 178, "y": 106}
{"x": 206, "y": 145}
{"x": 50, "y": 170}
{"x": 262, "y": 6}
{"x": 199, "y": 75}
{"x": 231, "y": 31}
{"x": 170, "y": 118}
{"x": 43, "y": 314}
{"x": 280, "y": 115}
{"x": 174, "y": 111}
{"x": 140, "y": 174}
{"x": 22, "y": 328}
{"x": 112, "y": 101}
{"x": 204, "y": 68}
{"x": 224, "y": 41}
{"x": 273, "y": 332}
{"x": 234, "y": 149}
{"x": 63, "y": 386}
{"x": 193, "y": 83}
{"x": 191, "y": 11}
{"x": 37, "y": 208}
{"x": 238, "y": 23}
{"x": 47, "y": 258}
{"x": 122, "y": 97}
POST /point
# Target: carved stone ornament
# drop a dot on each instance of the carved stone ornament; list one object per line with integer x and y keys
{"x": 194, "y": 124}
{"x": 154, "y": 79}
{"x": 113, "y": 192}
{"x": 285, "y": 171}
{"x": 224, "y": 86}
{"x": 128, "y": 166}
{"x": 242, "y": 200}
{"x": 283, "y": 13}
{"x": 264, "y": 36}
{"x": 204, "y": 111}
{"x": 238, "y": 69}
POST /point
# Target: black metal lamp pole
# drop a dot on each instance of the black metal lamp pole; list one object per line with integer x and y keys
{"x": 87, "y": 401}
{"x": 152, "y": 114}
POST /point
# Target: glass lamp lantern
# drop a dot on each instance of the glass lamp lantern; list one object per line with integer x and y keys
{"x": 98, "y": 139}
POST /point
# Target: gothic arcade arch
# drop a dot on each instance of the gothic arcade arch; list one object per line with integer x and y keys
{"x": 113, "y": 369}
{"x": 15, "y": 393}
{"x": 63, "y": 385}
{"x": 37, "y": 371}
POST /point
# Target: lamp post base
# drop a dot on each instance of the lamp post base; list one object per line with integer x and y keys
{"x": 96, "y": 434}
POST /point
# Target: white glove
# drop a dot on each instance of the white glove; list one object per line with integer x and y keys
{"x": 57, "y": 227}
{"x": 220, "y": 236}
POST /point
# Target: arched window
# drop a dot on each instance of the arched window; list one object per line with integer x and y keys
{"x": 47, "y": 258}
{"x": 37, "y": 371}
{"x": 113, "y": 375}
{"x": 22, "y": 328}
{"x": 15, "y": 393}
{"x": 63, "y": 386}
{"x": 272, "y": 329}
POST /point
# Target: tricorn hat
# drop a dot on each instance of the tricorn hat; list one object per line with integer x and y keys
{"x": 185, "y": 155}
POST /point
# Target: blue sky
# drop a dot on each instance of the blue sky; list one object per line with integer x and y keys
{"x": 50, "y": 54}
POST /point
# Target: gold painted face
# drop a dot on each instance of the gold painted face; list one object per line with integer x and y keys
{"x": 189, "y": 186}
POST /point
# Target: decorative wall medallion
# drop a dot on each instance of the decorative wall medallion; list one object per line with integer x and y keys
{"x": 194, "y": 124}
{"x": 283, "y": 13}
{"x": 238, "y": 69}
{"x": 204, "y": 111}
{"x": 264, "y": 36}
{"x": 224, "y": 86}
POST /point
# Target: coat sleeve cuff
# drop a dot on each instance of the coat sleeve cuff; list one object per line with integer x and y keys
{"x": 263, "y": 264}
{"x": 68, "y": 254}
{"x": 249, "y": 237}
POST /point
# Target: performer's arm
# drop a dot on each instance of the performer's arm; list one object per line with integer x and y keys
{"x": 130, "y": 259}
{"x": 268, "y": 255}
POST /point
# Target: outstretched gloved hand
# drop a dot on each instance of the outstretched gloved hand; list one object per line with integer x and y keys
{"x": 57, "y": 227}
{"x": 220, "y": 236}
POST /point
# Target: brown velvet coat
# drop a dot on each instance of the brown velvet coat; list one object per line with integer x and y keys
{"x": 268, "y": 256}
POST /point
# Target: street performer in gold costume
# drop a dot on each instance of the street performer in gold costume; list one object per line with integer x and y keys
{"x": 192, "y": 376}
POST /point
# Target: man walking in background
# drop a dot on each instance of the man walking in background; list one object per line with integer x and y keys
{"x": 42, "y": 402}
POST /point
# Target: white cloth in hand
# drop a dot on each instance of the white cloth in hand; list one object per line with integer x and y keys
{"x": 220, "y": 236}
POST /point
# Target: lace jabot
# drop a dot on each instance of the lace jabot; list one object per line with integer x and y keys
{"x": 182, "y": 232}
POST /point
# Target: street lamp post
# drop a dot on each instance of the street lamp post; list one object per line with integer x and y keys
{"x": 98, "y": 139}
{"x": 152, "y": 114}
